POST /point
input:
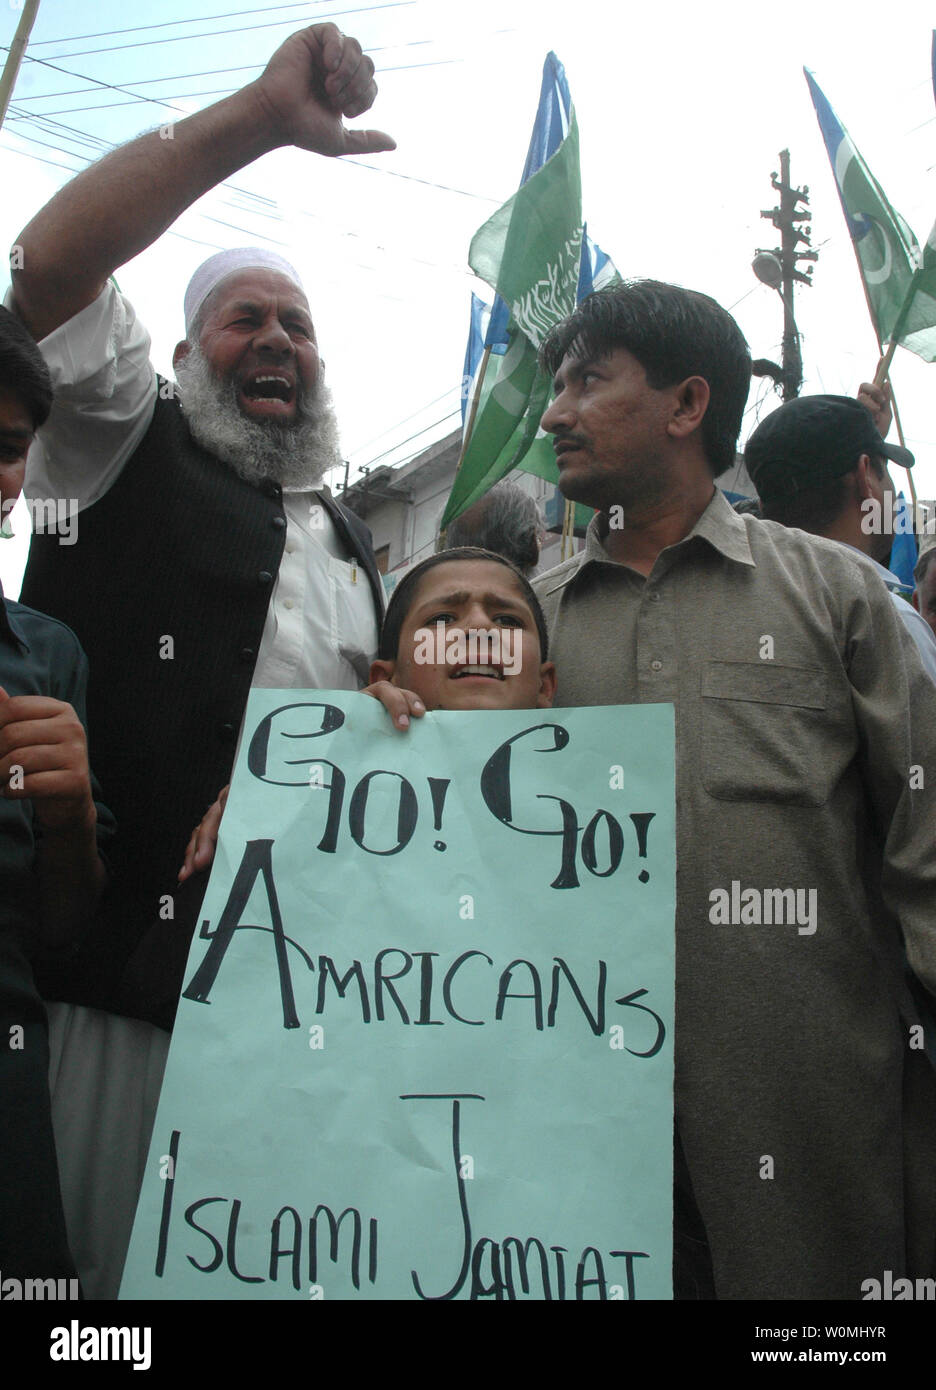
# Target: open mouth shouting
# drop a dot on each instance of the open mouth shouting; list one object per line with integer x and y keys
{"x": 477, "y": 673}
{"x": 268, "y": 393}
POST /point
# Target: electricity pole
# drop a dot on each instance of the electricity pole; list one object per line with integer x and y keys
{"x": 15, "y": 55}
{"x": 778, "y": 268}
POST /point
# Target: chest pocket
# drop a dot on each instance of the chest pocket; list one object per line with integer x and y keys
{"x": 766, "y": 734}
{"x": 354, "y": 626}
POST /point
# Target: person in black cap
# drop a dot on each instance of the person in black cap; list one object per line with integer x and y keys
{"x": 820, "y": 464}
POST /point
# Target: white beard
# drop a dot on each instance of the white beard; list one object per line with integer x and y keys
{"x": 296, "y": 454}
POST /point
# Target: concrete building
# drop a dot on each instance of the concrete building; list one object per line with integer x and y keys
{"x": 403, "y": 507}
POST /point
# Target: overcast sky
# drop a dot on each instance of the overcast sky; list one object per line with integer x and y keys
{"x": 682, "y": 110}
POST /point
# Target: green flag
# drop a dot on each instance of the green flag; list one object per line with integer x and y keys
{"x": 530, "y": 252}
{"x": 914, "y": 328}
{"x": 900, "y": 284}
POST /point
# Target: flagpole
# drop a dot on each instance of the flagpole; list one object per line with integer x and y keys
{"x": 883, "y": 371}
{"x": 469, "y": 426}
{"x": 880, "y": 376}
{"x": 900, "y": 436}
{"x": 883, "y": 367}
{"x": 469, "y": 423}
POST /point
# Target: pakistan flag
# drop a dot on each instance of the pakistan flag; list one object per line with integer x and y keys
{"x": 900, "y": 280}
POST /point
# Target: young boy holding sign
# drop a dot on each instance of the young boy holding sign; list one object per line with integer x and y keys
{"x": 464, "y": 631}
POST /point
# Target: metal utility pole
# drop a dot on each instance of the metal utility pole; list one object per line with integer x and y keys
{"x": 15, "y": 55}
{"x": 778, "y": 268}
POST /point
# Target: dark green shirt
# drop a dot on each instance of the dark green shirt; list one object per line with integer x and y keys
{"x": 38, "y": 656}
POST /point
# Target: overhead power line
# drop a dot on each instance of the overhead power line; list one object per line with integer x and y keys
{"x": 241, "y": 29}
{"x": 206, "y": 72}
{"x": 393, "y": 448}
{"x": 144, "y": 81}
{"x": 55, "y": 163}
{"x": 69, "y": 168}
{"x": 259, "y": 205}
{"x": 355, "y": 163}
{"x": 48, "y": 126}
{"x": 128, "y": 91}
{"x": 98, "y": 82}
{"x": 172, "y": 23}
{"x": 99, "y": 145}
{"x": 359, "y": 448}
{"x": 137, "y": 101}
{"x": 218, "y": 91}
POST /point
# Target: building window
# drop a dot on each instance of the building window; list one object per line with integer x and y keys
{"x": 382, "y": 557}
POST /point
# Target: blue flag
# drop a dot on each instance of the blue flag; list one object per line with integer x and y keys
{"x": 903, "y": 554}
{"x": 596, "y": 269}
{"x": 474, "y": 350}
{"x": 549, "y": 130}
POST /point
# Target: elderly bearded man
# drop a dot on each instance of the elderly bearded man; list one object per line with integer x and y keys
{"x": 205, "y": 561}
{"x": 806, "y": 803}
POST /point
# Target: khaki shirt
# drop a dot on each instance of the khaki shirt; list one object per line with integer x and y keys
{"x": 806, "y": 761}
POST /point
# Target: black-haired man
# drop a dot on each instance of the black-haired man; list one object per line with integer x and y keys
{"x": 805, "y": 833}
{"x": 818, "y": 463}
{"x": 50, "y": 871}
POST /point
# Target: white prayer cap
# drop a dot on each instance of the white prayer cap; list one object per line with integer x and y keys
{"x": 224, "y": 263}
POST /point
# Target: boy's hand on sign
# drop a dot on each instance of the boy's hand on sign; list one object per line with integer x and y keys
{"x": 877, "y": 399}
{"x": 201, "y": 847}
{"x": 44, "y": 758}
{"x": 398, "y": 703}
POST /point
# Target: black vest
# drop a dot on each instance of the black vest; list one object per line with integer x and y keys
{"x": 167, "y": 587}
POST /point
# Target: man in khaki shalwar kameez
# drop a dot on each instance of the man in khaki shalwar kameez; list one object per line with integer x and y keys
{"x": 806, "y": 794}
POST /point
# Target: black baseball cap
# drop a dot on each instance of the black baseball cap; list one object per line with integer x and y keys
{"x": 811, "y": 439}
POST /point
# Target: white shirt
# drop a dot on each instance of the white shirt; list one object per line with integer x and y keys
{"x": 320, "y": 631}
